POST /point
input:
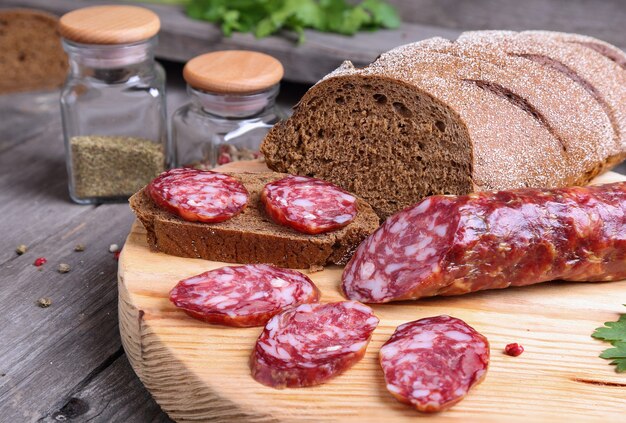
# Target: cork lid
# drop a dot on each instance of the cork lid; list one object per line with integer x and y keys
{"x": 233, "y": 71}
{"x": 109, "y": 25}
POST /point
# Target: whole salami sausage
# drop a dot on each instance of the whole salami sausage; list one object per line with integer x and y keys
{"x": 450, "y": 245}
{"x": 198, "y": 195}
{"x": 432, "y": 363}
{"x": 308, "y": 205}
{"x": 312, "y": 343}
{"x": 242, "y": 296}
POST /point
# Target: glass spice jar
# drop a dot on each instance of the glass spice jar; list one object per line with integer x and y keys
{"x": 232, "y": 107}
{"x": 113, "y": 103}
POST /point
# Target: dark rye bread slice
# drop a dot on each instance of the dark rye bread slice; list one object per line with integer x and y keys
{"x": 600, "y": 74}
{"x": 31, "y": 55}
{"x": 251, "y": 236}
{"x": 554, "y": 97}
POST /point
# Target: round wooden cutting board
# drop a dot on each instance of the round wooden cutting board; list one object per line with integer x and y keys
{"x": 199, "y": 372}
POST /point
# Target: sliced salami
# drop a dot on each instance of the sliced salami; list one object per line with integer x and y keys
{"x": 199, "y": 195}
{"x": 432, "y": 363}
{"x": 242, "y": 296}
{"x": 308, "y": 205}
{"x": 312, "y": 343}
{"x": 450, "y": 245}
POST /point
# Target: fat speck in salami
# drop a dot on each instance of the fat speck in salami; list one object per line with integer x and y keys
{"x": 312, "y": 343}
{"x": 450, "y": 245}
{"x": 308, "y": 205}
{"x": 432, "y": 363}
{"x": 242, "y": 296}
{"x": 199, "y": 195}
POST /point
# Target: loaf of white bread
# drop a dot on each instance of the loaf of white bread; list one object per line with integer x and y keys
{"x": 491, "y": 110}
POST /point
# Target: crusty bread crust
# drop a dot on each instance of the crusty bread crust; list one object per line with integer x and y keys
{"x": 251, "y": 236}
{"x": 591, "y": 64}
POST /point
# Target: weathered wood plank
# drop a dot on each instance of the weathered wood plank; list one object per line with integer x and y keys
{"x": 603, "y": 19}
{"x": 182, "y": 38}
{"x": 19, "y": 111}
{"x": 46, "y": 352}
{"x": 113, "y": 395}
{"x": 33, "y": 191}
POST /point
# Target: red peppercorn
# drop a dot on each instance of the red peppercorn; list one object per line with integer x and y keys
{"x": 223, "y": 159}
{"x": 513, "y": 350}
{"x": 40, "y": 261}
{"x": 116, "y": 255}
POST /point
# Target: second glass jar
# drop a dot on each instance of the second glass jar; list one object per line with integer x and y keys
{"x": 232, "y": 107}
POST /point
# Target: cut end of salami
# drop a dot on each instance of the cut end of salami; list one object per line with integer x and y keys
{"x": 405, "y": 251}
{"x": 432, "y": 363}
{"x": 242, "y": 296}
{"x": 199, "y": 195}
{"x": 312, "y": 343}
{"x": 308, "y": 205}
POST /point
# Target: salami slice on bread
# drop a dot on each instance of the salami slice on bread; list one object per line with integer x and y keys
{"x": 251, "y": 236}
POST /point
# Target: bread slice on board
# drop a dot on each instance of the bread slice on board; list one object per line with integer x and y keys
{"x": 251, "y": 236}
{"x": 418, "y": 122}
{"x": 32, "y": 55}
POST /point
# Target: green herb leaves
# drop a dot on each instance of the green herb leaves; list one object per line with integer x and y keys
{"x": 615, "y": 333}
{"x": 266, "y": 17}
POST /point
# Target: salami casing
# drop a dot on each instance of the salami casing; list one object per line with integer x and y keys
{"x": 312, "y": 343}
{"x": 198, "y": 195}
{"x": 242, "y": 296}
{"x": 450, "y": 245}
{"x": 308, "y": 205}
{"x": 432, "y": 363}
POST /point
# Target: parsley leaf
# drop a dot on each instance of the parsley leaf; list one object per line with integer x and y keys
{"x": 266, "y": 17}
{"x": 615, "y": 333}
{"x": 612, "y": 331}
{"x": 382, "y": 13}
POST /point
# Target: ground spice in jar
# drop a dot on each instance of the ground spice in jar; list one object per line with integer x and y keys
{"x": 114, "y": 166}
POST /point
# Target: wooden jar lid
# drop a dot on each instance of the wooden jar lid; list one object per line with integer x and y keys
{"x": 233, "y": 71}
{"x": 109, "y": 24}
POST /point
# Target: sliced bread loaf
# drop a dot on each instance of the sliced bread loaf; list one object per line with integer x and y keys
{"x": 32, "y": 55}
{"x": 418, "y": 122}
{"x": 251, "y": 236}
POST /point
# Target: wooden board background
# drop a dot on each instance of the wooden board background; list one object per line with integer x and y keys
{"x": 196, "y": 371}
{"x": 182, "y": 38}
